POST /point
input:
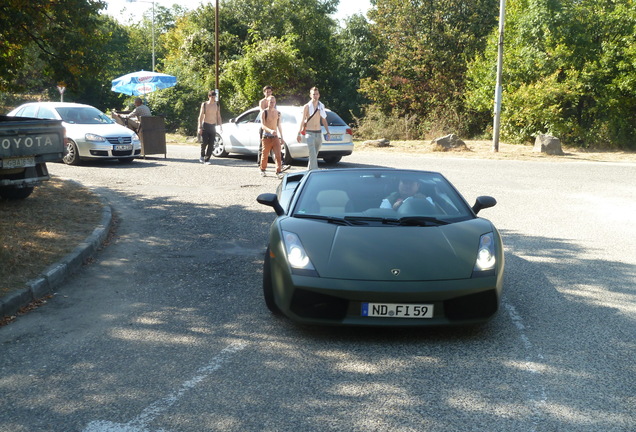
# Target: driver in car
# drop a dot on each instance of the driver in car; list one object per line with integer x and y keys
{"x": 407, "y": 189}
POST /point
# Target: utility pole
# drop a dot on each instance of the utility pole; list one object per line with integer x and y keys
{"x": 498, "y": 87}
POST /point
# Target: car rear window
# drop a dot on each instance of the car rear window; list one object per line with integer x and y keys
{"x": 334, "y": 119}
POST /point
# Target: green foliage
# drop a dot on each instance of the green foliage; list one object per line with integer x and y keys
{"x": 569, "y": 70}
{"x": 272, "y": 62}
{"x": 259, "y": 44}
{"x": 423, "y": 51}
{"x": 355, "y": 61}
{"x": 46, "y": 34}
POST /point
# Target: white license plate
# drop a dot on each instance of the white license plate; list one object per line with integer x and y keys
{"x": 122, "y": 147}
{"x": 393, "y": 310}
{"x": 20, "y": 162}
{"x": 335, "y": 137}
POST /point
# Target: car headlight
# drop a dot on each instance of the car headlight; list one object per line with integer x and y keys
{"x": 296, "y": 255}
{"x": 94, "y": 137}
{"x": 135, "y": 138}
{"x": 486, "y": 255}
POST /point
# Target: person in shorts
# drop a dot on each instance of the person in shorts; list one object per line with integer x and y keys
{"x": 272, "y": 137}
{"x": 262, "y": 104}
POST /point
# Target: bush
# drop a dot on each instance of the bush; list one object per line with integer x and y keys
{"x": 376, "y": 125}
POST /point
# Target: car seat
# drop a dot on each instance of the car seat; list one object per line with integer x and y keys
{"x": 332, "y": 201}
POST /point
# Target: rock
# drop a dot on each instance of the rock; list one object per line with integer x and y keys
{"x": 378, "y": 143}
{"x": 449, "y": 142}
{"x": 547, "y": 144}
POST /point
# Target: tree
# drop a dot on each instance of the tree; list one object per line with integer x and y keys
{"x": 423, "y": 51}
{"x": 49, "y": 33}
{"x": 355, "y": 62}
{"x": 243, "y": 77}
{"x": 290, "y": 44}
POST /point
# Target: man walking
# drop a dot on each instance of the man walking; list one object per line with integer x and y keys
{"x": 209, "y": 118}
{"x": 314, "y": 115}
{"x": 272, "y": 136}
{"x": 262, "y": 104}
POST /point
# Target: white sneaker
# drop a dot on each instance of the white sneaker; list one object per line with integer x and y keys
{"x": 263, "y": 173}
{"x": 280, "y": 175}
{"x": 286, "y": 167}
{"x": 201, "y": 160}
{"x": 208, "y": 162}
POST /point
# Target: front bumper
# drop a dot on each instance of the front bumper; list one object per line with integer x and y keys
{"x": 315, "y": 300}
{"x": 90, "y": 150}
{"x": 339, "y": 148}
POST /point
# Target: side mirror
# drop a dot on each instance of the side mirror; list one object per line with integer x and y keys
{"x": 270, "y": 199}
{"x": 232, "y": 120}
{"x": 484, "y": 202}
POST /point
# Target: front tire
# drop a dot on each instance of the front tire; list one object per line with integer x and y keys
{"x": 268, "y": 288}
{"x": 71, "y": 157}
{"x": 218, "y": 148}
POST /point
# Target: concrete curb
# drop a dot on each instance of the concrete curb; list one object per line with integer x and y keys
{"x": 54, "y": 275}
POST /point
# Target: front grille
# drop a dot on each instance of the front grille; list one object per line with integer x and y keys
{"x": 474, "y": 306}
{"x": 122, "y": 153}
{"x": 308, "y": 304}
{"x": 116, "y": 140}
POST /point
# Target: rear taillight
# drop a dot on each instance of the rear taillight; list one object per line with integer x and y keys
{"x": 349, "y": 132}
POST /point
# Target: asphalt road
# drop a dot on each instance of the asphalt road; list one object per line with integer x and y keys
{"x": 167, "y": 331}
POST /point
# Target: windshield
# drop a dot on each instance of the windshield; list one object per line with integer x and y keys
{"x": 381, "y": 196}
{"x": 83, "y": 115}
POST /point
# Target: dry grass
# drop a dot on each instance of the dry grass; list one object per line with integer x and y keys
{"x": 40, "y": 230}
{"x": 483, "y": 150}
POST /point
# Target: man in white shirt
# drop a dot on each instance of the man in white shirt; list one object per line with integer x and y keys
{"x": 314, "y": 115}
{"x": 133, "y": 119}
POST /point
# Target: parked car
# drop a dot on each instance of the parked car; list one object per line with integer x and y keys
{"x": 241, "y": 135}
{"x": 380, "y": 246}
{"x": 26, "y": 145}
{"x": 90, "y": 134}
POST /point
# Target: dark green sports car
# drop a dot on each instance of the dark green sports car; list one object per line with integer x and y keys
{"x": 380, "y": 246}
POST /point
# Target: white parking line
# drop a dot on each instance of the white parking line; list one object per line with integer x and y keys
{"x": 139, "y": 423}
{"x": 533, "y": 360}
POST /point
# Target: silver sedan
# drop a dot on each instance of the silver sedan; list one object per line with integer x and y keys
{"x": 241, "y": 136}
{"x": 90, "y": 133}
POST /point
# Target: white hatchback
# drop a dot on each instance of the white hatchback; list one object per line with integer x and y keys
{"x": 241, "y": 135}
{"x": 90, "y": 133}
